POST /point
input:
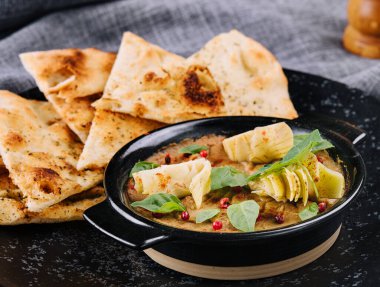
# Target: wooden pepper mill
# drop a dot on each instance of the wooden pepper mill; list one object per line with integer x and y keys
{"x": 362, "y": 35}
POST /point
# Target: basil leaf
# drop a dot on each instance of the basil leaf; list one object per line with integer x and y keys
{"x": 243, "y": 215}
{"x": 309, "y": 212}
{"x": 142, "y": 165}
{"x": 227, "y": 176}
{"x": 294, "y": 155}
{"x": 206, "y": 214}
{"x": 304, "y": 147}
{"x": 193, "y": 149}
{"x": 323, "y": 144}
{"x": 160, "y": 203}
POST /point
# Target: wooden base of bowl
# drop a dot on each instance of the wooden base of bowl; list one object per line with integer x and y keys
{"x": 243, "y": 272}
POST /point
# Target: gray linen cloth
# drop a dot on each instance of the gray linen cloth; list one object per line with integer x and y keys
{"x": 304, "y": 35}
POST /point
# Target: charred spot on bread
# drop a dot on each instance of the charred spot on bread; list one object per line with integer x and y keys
{"x": 13, "y": 140}
{"x": 71, "y": 65}
{"x": 44, "y": 173}
{"x": 74, "y": 62}
{"x": 148, "y": 77}
{"x": 47, "y": 188}
{"x": 46, "y": 179}
{"x": 201, "y": 88}
{"x": 140, "y": 109}
{"x": 156, "y": 81}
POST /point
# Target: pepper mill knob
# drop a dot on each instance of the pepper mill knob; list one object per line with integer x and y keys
{"x": 362, "y": 35}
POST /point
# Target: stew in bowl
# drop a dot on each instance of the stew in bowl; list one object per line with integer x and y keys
{"x": 262, "y": 179}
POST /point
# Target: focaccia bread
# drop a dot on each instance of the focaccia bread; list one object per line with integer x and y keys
{"x": 71, "y": 79}
{"x": 109, "y": 132}
{"x": 41, "y": 155}
{"x": 13, "y": 210}
{"x": 251, "y": 79}
{"x": 148, "y": 82}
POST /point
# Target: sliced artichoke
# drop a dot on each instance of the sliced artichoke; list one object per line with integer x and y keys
{"x": 297, "y": 187}
{"x": 330, "y": 183}
{"x": 271, "y": 185}
{"x": 261, "y": 187}
{"x": 278, "y": 187}
{"x": 313, "y": 191}
{"x": 311, "y": 163}
{"x": 304, "y": 184}
{"x": 289, "y": 179}
{"x": 293, "y": 183}
{"x": 271, "y": 142}
{"x": 238, "y": 148}
{"x": 201, "y": 184}
{"x": 187, "y": 178}
{"x": 261, "y": 145}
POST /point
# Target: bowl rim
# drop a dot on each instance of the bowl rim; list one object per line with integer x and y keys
{"x": 114, "y": 196}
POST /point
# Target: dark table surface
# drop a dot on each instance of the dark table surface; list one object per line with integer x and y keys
{"x": 75, "y": 254}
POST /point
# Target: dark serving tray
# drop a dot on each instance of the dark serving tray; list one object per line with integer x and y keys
{"x": 75, "y": 254}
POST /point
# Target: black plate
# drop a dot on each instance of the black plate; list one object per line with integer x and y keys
{"x": 76, "y": 254}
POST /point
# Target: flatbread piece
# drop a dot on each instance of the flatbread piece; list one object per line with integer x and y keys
{"x": 251, "y": 79}
{"x": 71, "y": 79}
{"x": 69, "y": 73}
{"x": 231, "y": 75}
{"x": 148, "y": 82}
{"x": 41, "y": 156}
{"x": 13, "y": 210}
{"x": 109, "y": 132}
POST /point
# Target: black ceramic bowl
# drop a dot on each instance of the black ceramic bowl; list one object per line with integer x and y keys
{"x": 209, "y": 254}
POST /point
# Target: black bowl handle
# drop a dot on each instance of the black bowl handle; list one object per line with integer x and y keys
{"x": 127, "y": 230}
{"x": 345, "y": 129}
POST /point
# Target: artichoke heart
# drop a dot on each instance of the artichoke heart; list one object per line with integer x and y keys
{"x": 304, "y": 184}
{"x": 296, "y": 182}
{"x": 238, "y": 148}
{"x": 186, "y": 178}
{"x": 261, "y": 145}
{"x": 330, "y": 183}
{"x": 289, "y": 178}
{"x": 271, "y": 185}
{"x": 278, "y": 187}
{"x": 290, "y": 184}
{"x": 297, "y": 187}
{"x": 311, "y": 163}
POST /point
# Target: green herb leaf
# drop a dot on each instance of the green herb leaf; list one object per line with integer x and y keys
{"x": 193, "y": 149}
{"x": 206, "y": 214}
{"x": 304, "y": 147}
{"x": 309, "y": 212}
{"x": 160, "y": 203}
{"x": 227, "y": 176}
{"x": 295, "y": 155}
{"x": 142, "y": 165}
{"x": 323, "y": 144}
{"x": 243, "y": 215}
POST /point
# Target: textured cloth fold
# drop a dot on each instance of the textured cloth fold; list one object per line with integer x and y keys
{"x": 304, "y": 35}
